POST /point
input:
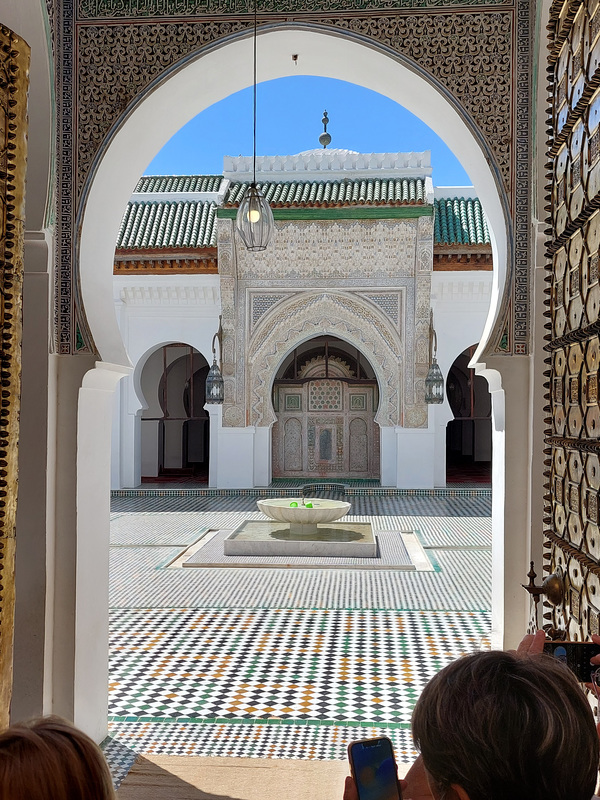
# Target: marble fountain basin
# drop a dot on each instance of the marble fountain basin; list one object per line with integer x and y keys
{"x": 278, "y": 508}
{"x": 301, "y": 531}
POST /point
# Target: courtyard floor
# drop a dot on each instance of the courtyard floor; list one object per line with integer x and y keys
{"x": 280, "y": 661}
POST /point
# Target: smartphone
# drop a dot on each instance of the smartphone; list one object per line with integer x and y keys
{"x": 374, "y": 769}
{"x": 576, "y": 656}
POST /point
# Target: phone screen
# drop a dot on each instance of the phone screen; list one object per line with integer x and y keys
{"x": 374, "y": 769}
{"x": 576, "y": 656}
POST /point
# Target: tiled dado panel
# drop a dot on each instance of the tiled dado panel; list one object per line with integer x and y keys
{"x": 573, "y": 416}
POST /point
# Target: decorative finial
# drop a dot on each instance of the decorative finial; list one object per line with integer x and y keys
{"x": 325, "y": 138}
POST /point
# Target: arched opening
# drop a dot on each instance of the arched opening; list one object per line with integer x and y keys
{"x": 184, "y": 92}
{"x": 174, "y": 425}
{"x": 469, "y": 433}
{"x": 325, "y": 397}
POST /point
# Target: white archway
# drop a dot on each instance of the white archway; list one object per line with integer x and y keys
{"x": 208, "y": 77}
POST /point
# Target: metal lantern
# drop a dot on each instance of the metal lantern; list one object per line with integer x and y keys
{"x": 215, "y": 387}
{"x": 254, "y": 221}
{"x": 434, "y": 384}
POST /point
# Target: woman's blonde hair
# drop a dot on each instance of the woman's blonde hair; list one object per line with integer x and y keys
{"x": 506, "y": 727}
{"x": 50, "y": 759}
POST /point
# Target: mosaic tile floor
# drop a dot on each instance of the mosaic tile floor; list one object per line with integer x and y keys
{"x": 356, "y": 666}
{"x": 281, "y": 663}
{"x": 474, "y": 503}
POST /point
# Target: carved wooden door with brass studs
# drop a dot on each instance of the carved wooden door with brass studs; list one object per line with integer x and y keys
{"x": 571, "y": 524}
{"x": 14, "y": 77}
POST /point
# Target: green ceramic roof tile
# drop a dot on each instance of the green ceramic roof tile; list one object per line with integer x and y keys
{"x": 460, "y": 220}
{"x": 156, "y": 224}
{"x": 157, "y": 184}
{"x": 367, "y": 191}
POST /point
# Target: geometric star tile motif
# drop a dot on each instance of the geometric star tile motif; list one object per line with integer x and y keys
{"x": 358, "y": 666}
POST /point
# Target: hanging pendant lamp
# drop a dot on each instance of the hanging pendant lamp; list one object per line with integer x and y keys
{"x": 215, "y": 385}
{"x": 434, "y": 382}
{"x": 254, "y": 221}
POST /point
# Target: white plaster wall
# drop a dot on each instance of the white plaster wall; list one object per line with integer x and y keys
{"x": 235, "y": 465}
{"x": 154, "y": 310}
{"x": 460, "y": 302}
{"x": 415, "y": 449}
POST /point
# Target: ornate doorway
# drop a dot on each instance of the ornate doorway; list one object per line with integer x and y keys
{"x": 325, "y": 397}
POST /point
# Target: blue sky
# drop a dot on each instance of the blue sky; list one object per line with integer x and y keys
{"x": 289, "y": 121}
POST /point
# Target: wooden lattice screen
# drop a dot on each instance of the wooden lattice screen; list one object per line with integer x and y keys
{"x": 572, "y": 534}
{"x": 14, "y": 77}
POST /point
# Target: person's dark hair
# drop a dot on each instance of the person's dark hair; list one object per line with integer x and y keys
{"x": 505, "y": 727}
{"x": 50, "y": 759}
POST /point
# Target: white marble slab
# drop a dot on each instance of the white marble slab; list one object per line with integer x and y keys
{"x": 341, "y": 539}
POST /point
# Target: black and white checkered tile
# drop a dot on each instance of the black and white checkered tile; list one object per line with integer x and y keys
{"x": 475, "y": 504}
{"x": 309, "y": 742}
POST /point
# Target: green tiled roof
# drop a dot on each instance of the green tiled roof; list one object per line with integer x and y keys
{"x": 158, "y": 225}
{"x": 372, "y": 191}
{"x": 460, "y": 220}
{"x": 179, "y": 183}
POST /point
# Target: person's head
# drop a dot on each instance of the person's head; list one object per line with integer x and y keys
{"x": 492, "y": 726}
{"x": 49, "y": 759}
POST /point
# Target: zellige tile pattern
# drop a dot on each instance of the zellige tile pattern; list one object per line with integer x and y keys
{"x": 284, "y": 663}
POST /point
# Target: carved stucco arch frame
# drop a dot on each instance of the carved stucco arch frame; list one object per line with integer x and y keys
{"x": 319, "y": 313}
{"x": 133, "y": 140}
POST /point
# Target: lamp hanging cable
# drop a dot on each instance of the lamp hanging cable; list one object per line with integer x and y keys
{"x": 254, "y": 220}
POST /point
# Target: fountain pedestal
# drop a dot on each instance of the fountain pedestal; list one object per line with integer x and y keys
{"x": 302, "y": 531}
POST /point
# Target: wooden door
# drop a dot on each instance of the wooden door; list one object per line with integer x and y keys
{"x": 326, "y": 429}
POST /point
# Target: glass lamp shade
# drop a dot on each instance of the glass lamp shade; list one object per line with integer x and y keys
{"x": 215, "y": 388}
{"x": 434, "y": 384}
{"x": 254, "y": 220}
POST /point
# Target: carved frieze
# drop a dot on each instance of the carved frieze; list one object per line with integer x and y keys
{"x": 115, "y": 9}
{"x": 109, "y": 51}
{"x": 364, "y": 250}
{"x": 118, "y": 62}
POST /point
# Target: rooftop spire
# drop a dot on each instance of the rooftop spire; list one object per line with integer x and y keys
{"x": 325, "y": 138}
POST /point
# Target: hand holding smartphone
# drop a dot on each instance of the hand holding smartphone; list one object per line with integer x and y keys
{"x": 374, "y": 769}
{"x": 576, "y": 656}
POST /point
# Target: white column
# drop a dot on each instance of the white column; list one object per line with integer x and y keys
{"x": 94, "y": 422}
{"x": 236, "y": 458}
{"x": 389, "y": 455}
{"x": 263, "y": 469}
{"x": 130, "y": 439}
{"x": 415, "y": 449}
{"x": 511, "y": 497}
{"x": 439, "y": 416}
{"x": 215, "y": 413}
